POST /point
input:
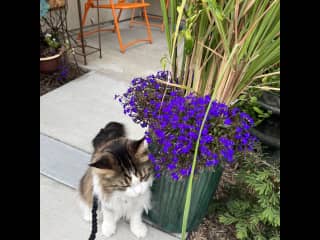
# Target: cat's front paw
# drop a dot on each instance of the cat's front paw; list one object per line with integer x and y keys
{"x": 108, "y": 229}
{"x": 139, "y": 229}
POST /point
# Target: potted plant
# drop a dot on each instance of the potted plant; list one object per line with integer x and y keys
{"x": 173, "y": 121}
{"x": 193, "y": 125}
{"x": 50, "y": 53}
{"x": 51, "y": 43}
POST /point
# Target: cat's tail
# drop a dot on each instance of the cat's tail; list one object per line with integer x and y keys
{"x": 111, "y": 131}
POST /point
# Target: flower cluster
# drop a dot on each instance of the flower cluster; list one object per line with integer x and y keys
{"x": 174, "y": 121}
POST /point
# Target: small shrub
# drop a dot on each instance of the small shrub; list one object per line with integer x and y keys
{"x": 253, "y": 206}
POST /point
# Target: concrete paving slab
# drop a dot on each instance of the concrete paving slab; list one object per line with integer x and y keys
{"x": 62, "y": 162}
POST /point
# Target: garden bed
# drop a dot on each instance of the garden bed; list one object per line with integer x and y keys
{"x": 65, "y": 74}
{"x": 211, "y": 229}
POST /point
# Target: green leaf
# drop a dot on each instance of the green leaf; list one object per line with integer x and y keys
{"x": 242, "y": 97}
{"x": 241, "y": 231}
{"x": 259, "y": 237}
{"x": 189, "y": 41}
{"x": 253, "y": 99}
{"x": 166, "y": 25}
{"x": 258, "y": 110}
{"x": 227, "y": 219}
{"x": 163, "y": 62}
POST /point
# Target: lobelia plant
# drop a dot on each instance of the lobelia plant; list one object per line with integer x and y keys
{"x": 174, "y": 121}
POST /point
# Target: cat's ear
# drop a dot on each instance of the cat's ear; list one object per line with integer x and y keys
{"x": 103, "y": 162}
{"x": 138, "y": 146}
{"x": 140, "y": 150}
{"x": 111, "y": 131}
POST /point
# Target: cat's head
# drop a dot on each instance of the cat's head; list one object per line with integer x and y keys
{"x": 121, "y": 164}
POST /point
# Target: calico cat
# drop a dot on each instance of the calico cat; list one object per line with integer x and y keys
{"x": 120, "y": 176}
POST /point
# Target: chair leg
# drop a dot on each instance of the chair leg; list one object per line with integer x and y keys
{"x": 147, "y": 24}
{"x": 118, "y": 18}
{"x": 86, "y": 10}
{"x": 132, "y": 16}
{"x": 87, "y": 7}
{"x": 116, "y": 26}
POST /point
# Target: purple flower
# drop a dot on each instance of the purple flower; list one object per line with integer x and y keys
{"x": 184, "y": 172}
{"x": 171, "y": 166}
{"x": 174, "y": 121}
{"x": 234, "y": 111}
{"x": 227, "y": 154}
{"x": 175, "y": 159}
{"x": 157, "y": 167}
{"x": 210, "y": 163}
{"x": 226, "y": 142}
{"x": 175, "y": 176}
{"x": 152, "y": 158}
{"x": 228, "y": 121}
{"x": 206, "y": 139}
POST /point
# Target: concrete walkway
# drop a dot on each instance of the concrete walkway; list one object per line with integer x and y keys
{"x": 70, "y": 117}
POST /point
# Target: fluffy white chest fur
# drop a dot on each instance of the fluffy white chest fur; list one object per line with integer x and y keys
{"x": 137, "y": 197}
{"x": 128, "y": 204}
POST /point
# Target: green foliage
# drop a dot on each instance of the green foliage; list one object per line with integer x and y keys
{"x": 253, "y": 202}
{"x": 248, "y": 102}
{"x": 227, "y": 44}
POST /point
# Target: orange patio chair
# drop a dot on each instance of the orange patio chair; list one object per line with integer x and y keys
{"x": 159, "y": 25}
{"x": 120, "y": 5}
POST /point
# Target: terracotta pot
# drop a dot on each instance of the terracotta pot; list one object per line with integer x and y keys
{"x": 50, "y": 64}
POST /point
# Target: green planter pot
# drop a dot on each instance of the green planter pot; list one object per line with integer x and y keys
{"x": 168, "y": 200}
